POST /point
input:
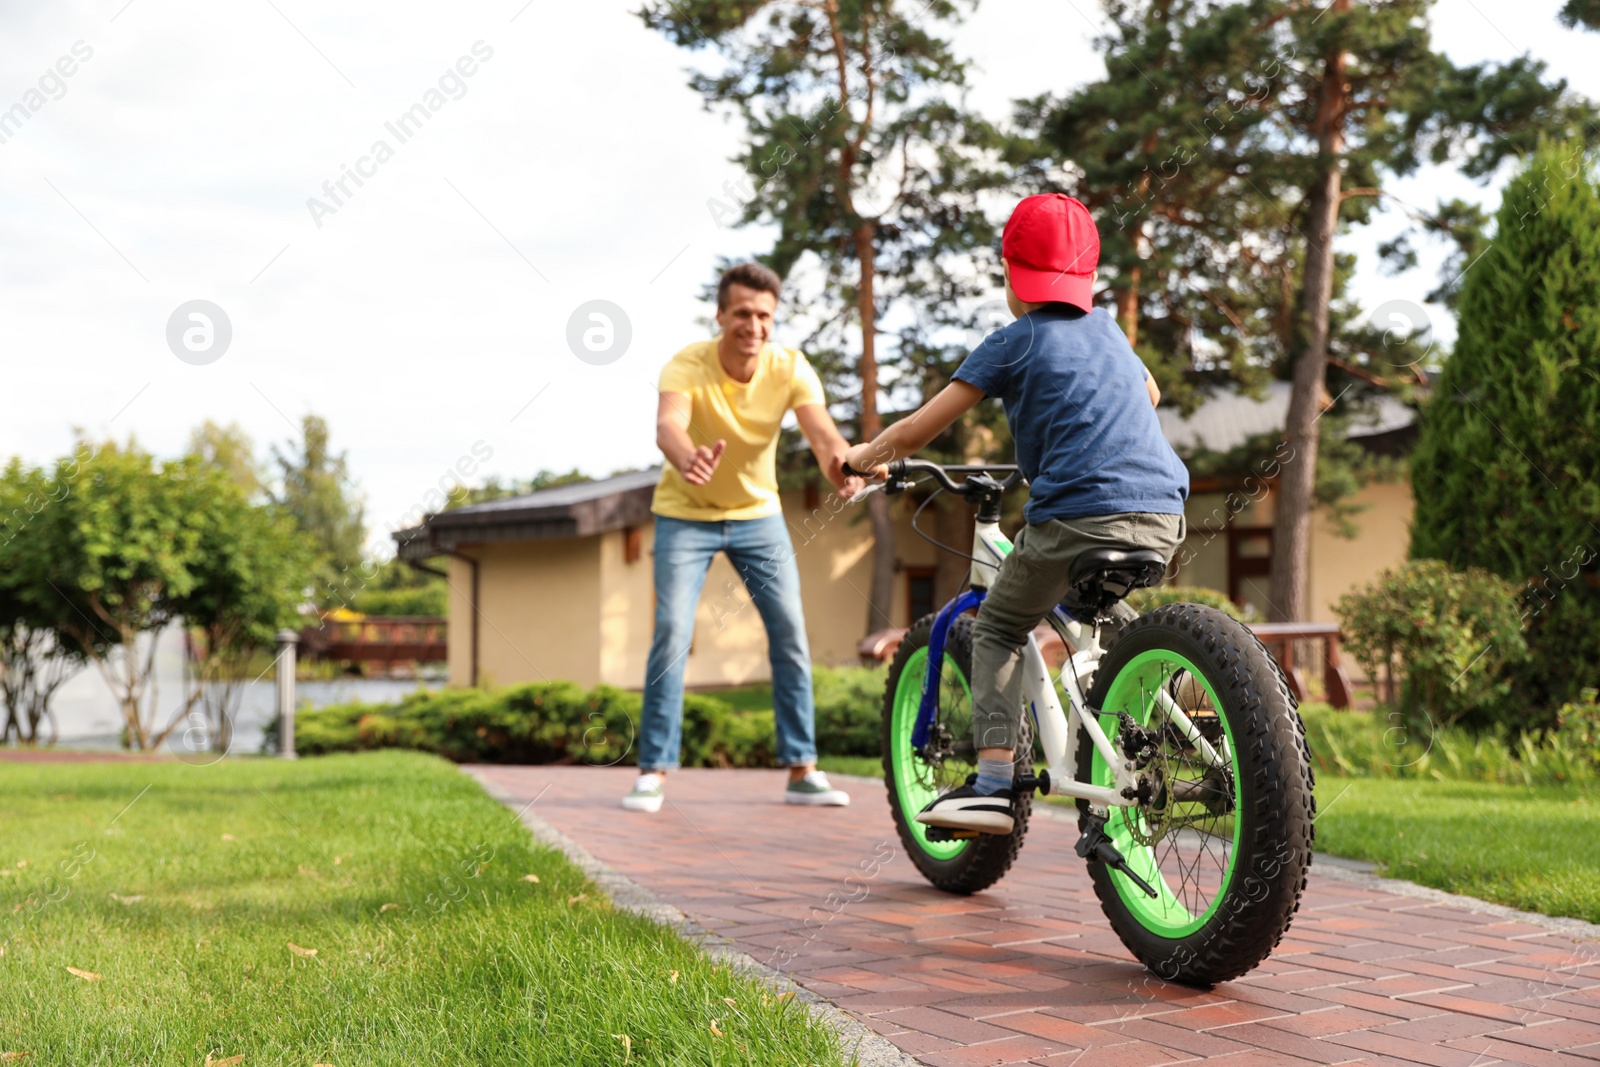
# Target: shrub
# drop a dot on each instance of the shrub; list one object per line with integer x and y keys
{"x": 1579, "y": 724}
{"x": 544, "y": 722}
{"x": 1438, "y": 640}
{"x": 1145, "y": 600}
{"x": 849, "y": 710}
{"x": 1357, "y": 744}
{"x": 1506, "y": 472}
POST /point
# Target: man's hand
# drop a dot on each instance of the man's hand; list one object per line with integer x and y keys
{"x": 698, "y": 466}
{"x": 846, "y": 486}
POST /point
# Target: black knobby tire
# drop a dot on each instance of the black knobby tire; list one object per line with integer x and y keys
{"x": 978, "y": 863}
{"x": 1271, "y": 781}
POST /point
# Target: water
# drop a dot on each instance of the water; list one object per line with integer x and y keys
{"x": 88, "y": 716}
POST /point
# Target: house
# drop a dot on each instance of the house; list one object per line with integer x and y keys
{"x": 556, "y": 584}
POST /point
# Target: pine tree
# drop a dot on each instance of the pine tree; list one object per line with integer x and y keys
{"x": 1284, "y": 121}
{"x": 860, "y": 150}
{"x": 1507, "y": 471}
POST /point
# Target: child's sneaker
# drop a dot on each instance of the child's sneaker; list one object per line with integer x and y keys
{"x": 964, "y": 808}
{"x": 815, "y": 789}
{"x": 647, "y": 794}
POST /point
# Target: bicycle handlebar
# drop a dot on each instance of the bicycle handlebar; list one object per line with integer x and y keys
{"x": 898, "y": 469}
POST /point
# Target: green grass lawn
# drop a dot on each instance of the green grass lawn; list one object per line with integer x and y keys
{"x": 1531, "y": 847}
{"x": 370, "y": 909}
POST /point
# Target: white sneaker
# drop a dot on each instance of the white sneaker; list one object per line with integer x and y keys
{"x": 647, "y": 794}
{"x": 814, "y": 789}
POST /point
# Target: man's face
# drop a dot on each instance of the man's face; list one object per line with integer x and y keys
{"x": 746, "y": 318}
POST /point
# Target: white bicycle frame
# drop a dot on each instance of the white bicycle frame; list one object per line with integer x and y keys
{"x": 1057, "y": 731}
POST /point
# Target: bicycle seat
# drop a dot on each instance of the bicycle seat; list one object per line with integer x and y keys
{"x": 1102, "y": 576}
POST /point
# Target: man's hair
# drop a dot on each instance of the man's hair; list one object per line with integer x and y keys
{"x": 751, "y": 276}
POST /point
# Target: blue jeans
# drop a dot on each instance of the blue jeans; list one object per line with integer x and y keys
{"x": 761, "y": 552}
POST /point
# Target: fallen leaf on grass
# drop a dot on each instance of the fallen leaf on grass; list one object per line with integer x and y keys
{"x": 341, "y": 857}
{"x": 627, "y": 1046}
{"x": 12, "y": 1057}
{"x": 24, "y": 904}
{"x": 672, "y": 977}
{"x": 229, "y": 837}
{"x": 231, "y": 1061}
{"x": 579, "y": 899}
{"x": 120, "y": 899}
{"x": 304, "y": 953}
{"x": 730, "y": 1002}
{"x": 530, "y": 878}
{"x": 714, "y": 1029}
{"x": 308, "y": 872}
{"x": 22, "y": 863}
{"x": 87, "y": 976}
{"x": 387, "y": 907}
{"x": 784, "y": 996}
{"x": 5, "y": 874}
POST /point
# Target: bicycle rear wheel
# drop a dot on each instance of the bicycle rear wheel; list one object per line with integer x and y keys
{"x": 1224, "y": 837}
{"x": 916, "y": 778}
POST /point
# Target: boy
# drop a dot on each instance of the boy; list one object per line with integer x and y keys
{"x": 1081, "y": 408}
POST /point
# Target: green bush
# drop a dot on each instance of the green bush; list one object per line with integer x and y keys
{"x": 1358, "y": 744}
{"x": 1145, "y": 600}
{"x": 1506, "y": 473}
{"x": 849, "y": 710}
{"x": 557, "y": 722}
{"x": 1579, "y": 724}
{"x": 424, "y": 600}
{"x": 1435, "y": 641}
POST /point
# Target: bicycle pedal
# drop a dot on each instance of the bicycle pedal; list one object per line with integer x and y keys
{"x": 945, "y": 833}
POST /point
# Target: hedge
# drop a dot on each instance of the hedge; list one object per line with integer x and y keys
{"x": 560, "y": 722}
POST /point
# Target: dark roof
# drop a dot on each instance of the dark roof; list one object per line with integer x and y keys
{"x": 1228, "y": 419}
{"x": 579, "y": 510}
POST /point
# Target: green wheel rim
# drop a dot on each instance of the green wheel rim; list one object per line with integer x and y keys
{"x": 1169, "y": 914}
{"x": 913, "y": 790}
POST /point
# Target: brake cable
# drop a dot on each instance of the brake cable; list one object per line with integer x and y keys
{"x": 936, "y": 544}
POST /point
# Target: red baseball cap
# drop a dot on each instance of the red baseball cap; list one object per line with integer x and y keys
{"x": 1053, "y": 248}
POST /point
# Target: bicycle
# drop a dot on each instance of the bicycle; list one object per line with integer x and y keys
{"x": 1188, "y": 757}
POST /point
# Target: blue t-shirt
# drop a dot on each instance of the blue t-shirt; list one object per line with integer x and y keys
{"x": 1074, "y": 393}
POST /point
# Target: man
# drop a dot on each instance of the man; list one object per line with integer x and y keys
{"x": 722, "y": 402}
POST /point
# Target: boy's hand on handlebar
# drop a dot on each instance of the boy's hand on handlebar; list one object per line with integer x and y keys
{"x": 863, "y": 460}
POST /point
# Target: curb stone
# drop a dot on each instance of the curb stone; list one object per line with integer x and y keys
{"x": 868, "y": 1048}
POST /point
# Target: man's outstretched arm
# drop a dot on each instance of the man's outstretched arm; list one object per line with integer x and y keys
{"x": 695, "y": 463}
{"x": 828, "y": 445}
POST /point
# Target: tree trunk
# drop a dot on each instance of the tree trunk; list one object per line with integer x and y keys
{"x": 1128, "y": 308}
{"x": 1291, "y": 535}
{"x": 881, "y": 594}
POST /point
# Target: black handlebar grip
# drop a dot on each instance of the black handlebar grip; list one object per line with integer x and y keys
{"x": 851, "y": 472}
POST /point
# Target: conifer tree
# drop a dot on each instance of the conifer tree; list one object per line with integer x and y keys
{"x": 1507, "y": 471}
{"x": 859, "y": 148}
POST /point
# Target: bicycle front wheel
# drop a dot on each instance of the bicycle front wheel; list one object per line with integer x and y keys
{"x": 1223, "y": 827}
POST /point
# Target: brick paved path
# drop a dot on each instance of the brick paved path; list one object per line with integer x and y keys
{"x": 1029, "y": 972}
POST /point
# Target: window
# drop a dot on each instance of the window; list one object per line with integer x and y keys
{"x": 1249, "y": 565}
{"x": 919, "y": 593}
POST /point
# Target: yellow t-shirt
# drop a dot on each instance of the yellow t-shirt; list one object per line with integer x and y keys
{"x": 746, "y": 415}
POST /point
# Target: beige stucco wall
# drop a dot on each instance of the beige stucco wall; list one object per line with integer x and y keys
{"x": 1340, "y": 565}
{"x": 575, "y": 609}
{"x": 539, "y": 612}
{"x": 832, "y": 553}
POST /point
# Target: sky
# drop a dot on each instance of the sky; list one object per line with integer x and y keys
{"x": 426, "y": 312}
